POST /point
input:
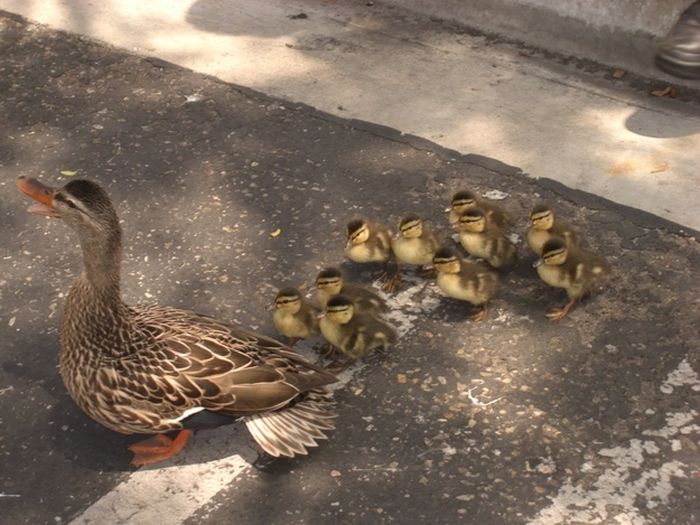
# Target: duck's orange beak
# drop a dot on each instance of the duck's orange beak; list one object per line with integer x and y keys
{"x": 40, "y": 193}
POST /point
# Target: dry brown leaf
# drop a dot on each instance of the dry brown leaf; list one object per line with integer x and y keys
{"x": 401, "y": 378}
{"x": 619, "y": 73}
{"x": 668, "y": 91}
{"x": 658, "y": 168}
{"x": 276, "y": 233}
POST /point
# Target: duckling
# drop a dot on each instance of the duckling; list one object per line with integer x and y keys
{"x": 464, "y": 200}
{"x": 353, "y": 333}
{"x": 331, "y": 281}
{"x": 482, "y": 239}
{"x": 370, "y": 242}
{"x": 414, "y": 244}
{"x": 465, "y": 281}
{"x": 293, "y": 316}
{"x": 545, "y": 226}
{"x": 570, "y": 268}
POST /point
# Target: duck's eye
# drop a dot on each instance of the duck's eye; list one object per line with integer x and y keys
{"x": 68, "y": 202}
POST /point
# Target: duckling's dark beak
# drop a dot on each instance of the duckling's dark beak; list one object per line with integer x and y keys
{"x": 538, "y": 262}
{"x": 321, "y": 315}
{"x": 271, "y": 307}
{"x": 40, "y": 193}
{"x": 348, "y": 243}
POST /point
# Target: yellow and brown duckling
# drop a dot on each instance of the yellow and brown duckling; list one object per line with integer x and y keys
{"x": 484, "y": 240}
{"x": 331, "y": 281}
{"x": 466, "y": 281}
{"x": 465, "y": 200}
{"x": 370, "y": 242}
{"x": 545, "y": 226}
{"x": 570, "y": 268}
{"x": 294, "y": 317}
{"x": 354, "y": 333}
{"x": 414, "y": 244}
{"x": 151, "y": 369}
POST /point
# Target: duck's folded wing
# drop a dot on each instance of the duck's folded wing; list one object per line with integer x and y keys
{"x": 198, "y": 361}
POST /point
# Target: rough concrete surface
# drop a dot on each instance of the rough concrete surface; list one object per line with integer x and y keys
{"x": 551, "y": 117}
{"x": 513, "y": 420}
{"x": 624, "y": 33}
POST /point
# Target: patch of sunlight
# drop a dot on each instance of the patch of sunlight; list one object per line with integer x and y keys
{"x": 483, "y": 134}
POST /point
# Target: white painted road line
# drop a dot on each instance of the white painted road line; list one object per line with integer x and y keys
{"x": 169, "y": 495}
{"x": 611, "y": 497}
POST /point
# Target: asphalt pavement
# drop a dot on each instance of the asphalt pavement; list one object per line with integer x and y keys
{"x": 227, "y": 194}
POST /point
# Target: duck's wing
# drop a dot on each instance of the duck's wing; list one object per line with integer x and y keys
{"x": 198, "y": 361}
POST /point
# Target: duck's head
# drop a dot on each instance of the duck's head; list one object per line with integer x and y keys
{"x": 339, "y": 309}
{"x": 411, "y": 226}
{"x": 463, "y": 200}
{"x": 554, "y": 253}
{"x": 288, "y": 299}
{"x": 330, "y": 280}
{"x": 542, "y": 217}
{"x": 86, "y": 208}
{"x": 446, "y": 260}
{"x": 473, "y": 220}
{"x": 82, "y": 204}
{"x": 358, "y": 231}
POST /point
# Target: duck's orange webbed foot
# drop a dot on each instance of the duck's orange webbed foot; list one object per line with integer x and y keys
{"x": 158, "y": 448}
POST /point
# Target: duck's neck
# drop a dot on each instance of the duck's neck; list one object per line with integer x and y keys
{"x": 102, "y": 259}
{"x": 95, "y": 319}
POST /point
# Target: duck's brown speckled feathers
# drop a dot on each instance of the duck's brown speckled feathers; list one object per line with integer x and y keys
{"x": 147, "y": 369}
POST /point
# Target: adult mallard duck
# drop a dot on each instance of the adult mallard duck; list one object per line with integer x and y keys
{"x": 155, "y": 369}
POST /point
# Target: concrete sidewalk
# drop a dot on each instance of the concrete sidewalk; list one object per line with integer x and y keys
{"x": 572, "y": 123}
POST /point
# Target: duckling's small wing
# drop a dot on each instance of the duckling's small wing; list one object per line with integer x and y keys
{"x": 365, "y": 298}
{"x": 293, "y": 430}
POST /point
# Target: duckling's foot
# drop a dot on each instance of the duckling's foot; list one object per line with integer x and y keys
{"x": 392, "y": 283}
{"x": 557, "y": 313}
{"x": 480, "y": 315}
{"x": 327, "y": 351}
{"x": 336, "y": 367}
{"x": 158, "y": 448}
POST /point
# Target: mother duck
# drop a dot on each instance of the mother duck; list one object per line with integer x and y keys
{"x": 147, "y": 369}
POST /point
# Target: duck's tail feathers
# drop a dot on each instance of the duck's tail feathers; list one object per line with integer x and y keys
{"x": 291, "y": 431}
